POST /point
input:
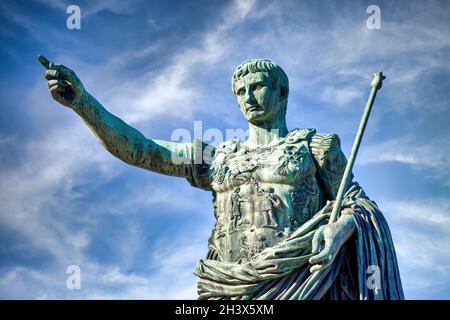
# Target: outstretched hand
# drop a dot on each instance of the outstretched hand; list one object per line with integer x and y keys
{"x": 329, "y": 238}
{"x": 64, "y": 85}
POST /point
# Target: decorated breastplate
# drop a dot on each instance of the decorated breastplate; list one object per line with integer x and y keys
{"x": 261, "y": 195}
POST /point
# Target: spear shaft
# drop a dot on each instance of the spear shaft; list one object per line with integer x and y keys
{"x": 375, "y": 86}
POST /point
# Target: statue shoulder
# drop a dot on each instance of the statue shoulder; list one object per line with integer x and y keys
{"x": 323, "y": 144}
{"x": 298, "y": 135}
{"x": 331, "y": 162}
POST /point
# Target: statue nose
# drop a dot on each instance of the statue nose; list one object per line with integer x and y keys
{"x": 249, "y": 97}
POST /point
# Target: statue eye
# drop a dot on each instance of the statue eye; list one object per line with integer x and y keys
{"x": 240, "y": 92}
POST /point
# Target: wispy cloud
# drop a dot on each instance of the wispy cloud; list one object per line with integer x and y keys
{"x": 169, "y": 276}
{"x": 173, "y": 91}
{"x": 340, "y": 96}
{"x": 43, "y": 187}
{"x": 39, "y": 201}
{"x": 425, "y": 155}
{"x": 421, "y": 232}
{"x": 63, "y": 196}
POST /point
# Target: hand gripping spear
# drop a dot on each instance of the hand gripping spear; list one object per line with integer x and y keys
{"x": 375, "y": 86}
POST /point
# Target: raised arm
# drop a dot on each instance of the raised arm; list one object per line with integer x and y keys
{"x": 119, "y": 138}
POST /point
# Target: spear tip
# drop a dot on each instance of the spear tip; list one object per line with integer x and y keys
{"x": 378, "y": 78}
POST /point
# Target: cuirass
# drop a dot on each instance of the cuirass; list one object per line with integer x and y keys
{"x": 260, "y": 195}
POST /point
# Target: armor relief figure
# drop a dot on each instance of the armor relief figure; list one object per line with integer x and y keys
{"x": 272, "y": 196}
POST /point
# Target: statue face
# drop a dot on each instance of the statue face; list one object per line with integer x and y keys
{"x": 258, "y": 97}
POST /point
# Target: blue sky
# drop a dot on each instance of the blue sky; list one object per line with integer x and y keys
{"x": 160, "y": 66}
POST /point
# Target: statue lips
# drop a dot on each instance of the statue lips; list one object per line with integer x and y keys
{"x": 254, "y": 107}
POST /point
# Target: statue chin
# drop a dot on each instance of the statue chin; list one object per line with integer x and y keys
{"x": 258, "y": 117}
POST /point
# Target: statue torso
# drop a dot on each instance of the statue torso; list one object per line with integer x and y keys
{"x": 260, "y": 195}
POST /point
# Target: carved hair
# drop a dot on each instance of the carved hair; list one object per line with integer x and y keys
{"x": 263, "y": 65}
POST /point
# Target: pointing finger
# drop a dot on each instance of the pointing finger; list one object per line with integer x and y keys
{"x": 62, "y": 70}
{"x": 45, "y": 62}
{"x": 51, "y": 66}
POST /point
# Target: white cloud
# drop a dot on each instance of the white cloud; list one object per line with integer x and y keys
{"x": 173, "y": 91}
{"x": 427, "y": 155}
{"x": 43, "y": 183}
{"x": 421, "y": 232}
{"x": 170, "y": 277}
{"x": 407, "y": 151}
{"x": 340, "y": 96}
{"x": 335, "y": 66}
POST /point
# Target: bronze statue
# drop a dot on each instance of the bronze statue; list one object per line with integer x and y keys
{"x": 273, "y": 195}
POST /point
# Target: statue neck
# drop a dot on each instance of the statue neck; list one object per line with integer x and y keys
{"x": 267, "y": 133}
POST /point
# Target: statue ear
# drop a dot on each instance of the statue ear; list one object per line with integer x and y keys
{"x": 283, "y": 93}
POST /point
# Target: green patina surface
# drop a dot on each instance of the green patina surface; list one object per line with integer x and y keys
{"x": 272, "y": 197}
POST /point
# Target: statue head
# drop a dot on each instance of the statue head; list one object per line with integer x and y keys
{"x": 262, "y": 89}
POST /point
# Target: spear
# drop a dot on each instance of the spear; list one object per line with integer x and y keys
{"x": 375, "y": 86}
